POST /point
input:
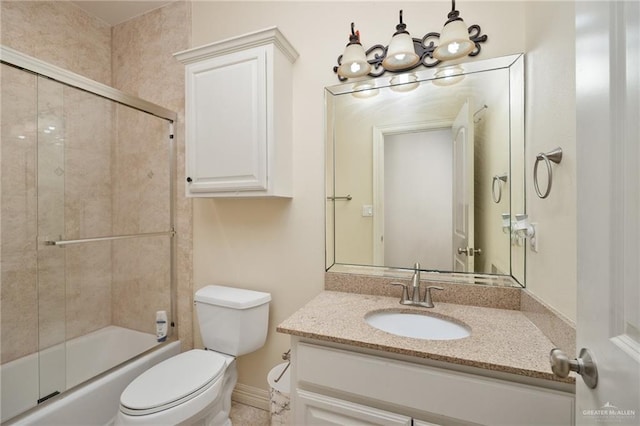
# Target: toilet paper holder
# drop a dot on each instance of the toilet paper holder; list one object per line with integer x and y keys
{"x": 287, "y": 357}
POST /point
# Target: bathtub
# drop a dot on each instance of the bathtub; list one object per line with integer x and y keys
{"x": 93, "y": 403}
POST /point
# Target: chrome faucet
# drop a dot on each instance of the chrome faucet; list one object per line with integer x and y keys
{"x": 414, "y": 300}
{"x": 415, "y": 283}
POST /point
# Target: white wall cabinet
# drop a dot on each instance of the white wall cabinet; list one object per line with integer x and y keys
{"x": 239, "y": 116}
{"x": 329, "y": 384}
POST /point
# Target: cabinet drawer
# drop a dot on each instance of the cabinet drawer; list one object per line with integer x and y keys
{"x": 316, "y": 409}
{"x": 457, "y": 395}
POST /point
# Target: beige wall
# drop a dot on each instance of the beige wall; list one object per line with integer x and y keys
{"x": 550, "y": 112}
{"x": 278, "y": 246}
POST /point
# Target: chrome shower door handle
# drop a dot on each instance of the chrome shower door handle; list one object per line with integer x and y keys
{"x": 584, "y": 365}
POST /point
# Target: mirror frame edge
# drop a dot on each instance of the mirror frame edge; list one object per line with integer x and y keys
{"x": 515, "y": 64}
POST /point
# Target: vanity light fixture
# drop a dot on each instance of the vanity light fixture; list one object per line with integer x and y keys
{"x": 405, "y": 53}
{"x": 454, "y": 38}
{"x": 400, "y": 54}
{"x": 354, "y": 60}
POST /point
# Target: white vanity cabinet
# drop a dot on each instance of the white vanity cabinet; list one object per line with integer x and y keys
{"x": 239, "y": 116}
{"x": 333, "y": 386}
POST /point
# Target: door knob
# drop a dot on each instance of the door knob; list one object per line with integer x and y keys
{"x": 584, "y": 365}
{"x": 469, "y": 251}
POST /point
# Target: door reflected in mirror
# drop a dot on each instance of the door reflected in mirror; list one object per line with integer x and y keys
{"x": 431, "y": 167}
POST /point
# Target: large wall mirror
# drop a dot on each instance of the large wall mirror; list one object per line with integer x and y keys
{"x": 428, "y": 167}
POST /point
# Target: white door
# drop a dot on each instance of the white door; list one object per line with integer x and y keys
{"x": 417, "y": 199}
{"x": 608, "y": 93}
{"x": 463, "y": 250}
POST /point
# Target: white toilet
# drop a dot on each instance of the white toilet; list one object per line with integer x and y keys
{"x": 194, "y": 387}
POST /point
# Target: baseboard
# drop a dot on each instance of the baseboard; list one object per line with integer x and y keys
{"x": 248, "y": 395}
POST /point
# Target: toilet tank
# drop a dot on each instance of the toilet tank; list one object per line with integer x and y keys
{"x": 233, "y": 321}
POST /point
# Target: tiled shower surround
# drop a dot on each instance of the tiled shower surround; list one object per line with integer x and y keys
{"x": 99, "y": 169}
{"x": 93, "y": 168}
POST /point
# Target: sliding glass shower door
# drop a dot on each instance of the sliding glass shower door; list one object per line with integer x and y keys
{"x": 86, "y": 234}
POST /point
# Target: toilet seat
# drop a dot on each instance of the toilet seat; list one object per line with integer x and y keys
{"x": 173, "y": 382}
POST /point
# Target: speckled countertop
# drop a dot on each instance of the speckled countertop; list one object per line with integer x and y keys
{"x": 501, "y": 340}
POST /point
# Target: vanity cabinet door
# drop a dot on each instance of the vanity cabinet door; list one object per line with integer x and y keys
{"x": 316, "y": 409}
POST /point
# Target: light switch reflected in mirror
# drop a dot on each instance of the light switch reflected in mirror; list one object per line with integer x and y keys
{"x": 418, "y": 155}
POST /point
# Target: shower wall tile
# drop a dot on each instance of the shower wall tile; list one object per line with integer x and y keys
{"x": 139, "y": 53}
{"x": 33, "y": 285}
{"x": 88, "y": 287}
{"x": 140, "y": 282}
{"x": 140, "y": 167}
{"x": 51, "y": 297}
{"x": 18, "y": 221}
{"x": 19, "y": 315}
{"x": 143, "y": 64}
{"x": 60, "y": 33}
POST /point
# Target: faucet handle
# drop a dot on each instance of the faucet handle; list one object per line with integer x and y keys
{"x": 405, "y": 291}
{"x": 427, "y": 295}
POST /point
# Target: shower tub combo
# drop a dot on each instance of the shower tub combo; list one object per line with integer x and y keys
{"x": 88, "y": 242}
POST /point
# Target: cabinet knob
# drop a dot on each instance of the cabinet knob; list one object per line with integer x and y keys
{"x": 189, "y": 180}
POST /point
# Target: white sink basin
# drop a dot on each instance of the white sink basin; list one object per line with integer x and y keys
{"x": 416, "y": 325}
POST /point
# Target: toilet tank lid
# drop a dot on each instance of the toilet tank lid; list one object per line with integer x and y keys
{"x": 236, "y": 298}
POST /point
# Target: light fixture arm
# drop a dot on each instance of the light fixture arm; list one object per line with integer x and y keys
{"x": 401, "y": 27}
{"x": 355, "y": 35}
{"x": 454, "y": 15}
{"x": 423, "y": 47}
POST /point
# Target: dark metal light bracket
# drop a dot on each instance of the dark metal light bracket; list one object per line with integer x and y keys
{"x": 424, "y": 49}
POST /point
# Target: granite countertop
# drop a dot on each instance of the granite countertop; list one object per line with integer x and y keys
{"x": 501, "y": 340}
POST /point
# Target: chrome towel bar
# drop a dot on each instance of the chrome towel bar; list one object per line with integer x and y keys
{"x": 111, "y": 238}
{"x": 347, "y": 197}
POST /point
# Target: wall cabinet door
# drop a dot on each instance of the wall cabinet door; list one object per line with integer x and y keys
{"x": 316, "y": 409}
{"x": 227, "y": 148}
{"x": 239, "y": 116}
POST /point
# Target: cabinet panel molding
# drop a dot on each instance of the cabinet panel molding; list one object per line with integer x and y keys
{"x": 318, "y": 409}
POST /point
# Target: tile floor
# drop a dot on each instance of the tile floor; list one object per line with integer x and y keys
{"x": 244, "y": 415}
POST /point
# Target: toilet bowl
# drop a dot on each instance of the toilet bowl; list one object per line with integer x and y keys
{"x": 195, "y": 387}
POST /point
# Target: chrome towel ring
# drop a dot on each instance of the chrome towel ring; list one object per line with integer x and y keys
{"x": 551, "y": 156}
{"x": 496, "y": 194}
